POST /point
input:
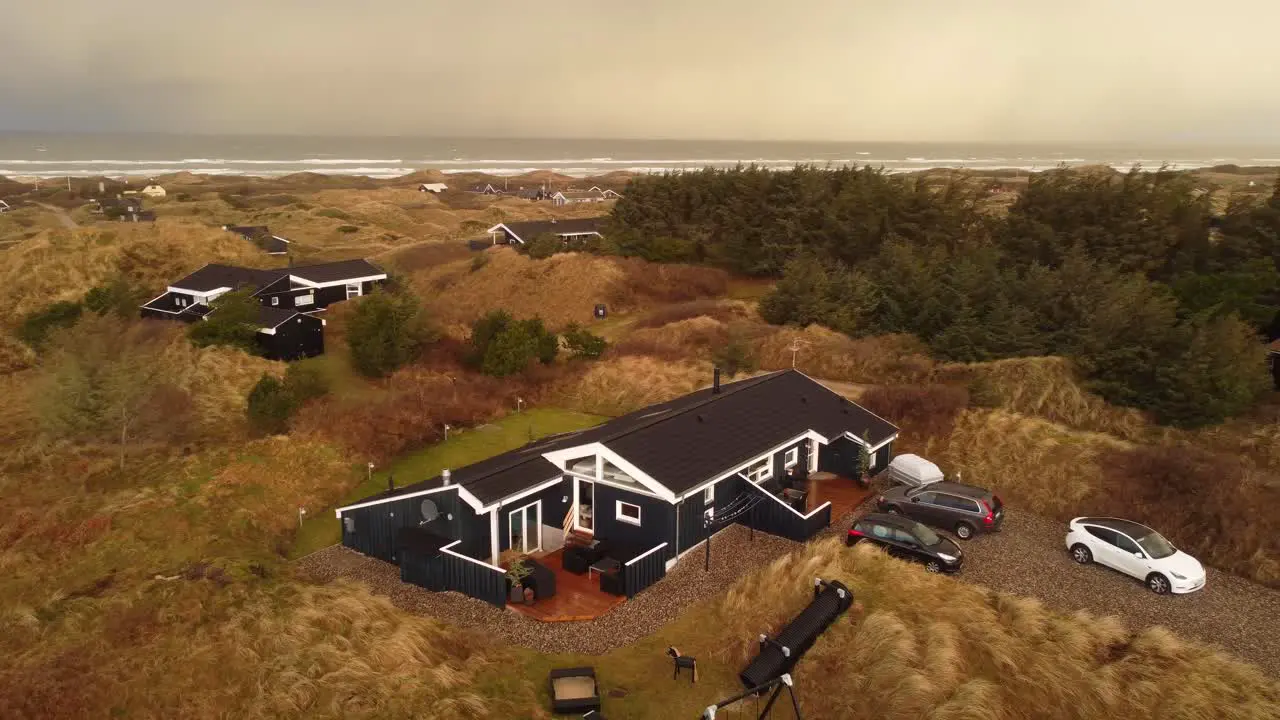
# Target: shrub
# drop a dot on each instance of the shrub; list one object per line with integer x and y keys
{"x": 735, "y": 356}
{"x": 544, "y": 246}
{"x": 583, "y": 343}
{"x": 348, "y": 229}
{"x": 36, "y": 327}
{"x": 117, "y": 296}
{"x": 478, "y": 262}
{"x": 502, "y": 346}
{"x": 334, "y": 213}
{"x": 306, "y": 381}
{"x": 233, "y": 322}
{"x": 269, "y": 407}
{"x": 387, "y": 330}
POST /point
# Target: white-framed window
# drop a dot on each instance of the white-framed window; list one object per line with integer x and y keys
{"x": 275, "y": 300}
{"x": 872, "y": 461}
{"x": 760, "y": 471}
{"x": 792, "y": 458}
{"x": 304, "y": 300}
{"x": 709, "y": 495}
{"x": 628, "y": 513}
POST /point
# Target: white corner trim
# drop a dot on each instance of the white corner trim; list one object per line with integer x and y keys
{"x": 646, "y": 553}
{"x": 778, "y": 500}
{"x": 449, "y": 549}
{"x": 874, "y": 448}
{"x": 617, "y": 512}
{"x": 462, "y": 493}
{"x": 208, "y": 294}
{"x": 267, "y": 331}
{"x": 493, "y": 231}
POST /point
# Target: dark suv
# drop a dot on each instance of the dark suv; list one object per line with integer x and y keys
{"x": 909, "y": 540}
{"x": 963, "y": 509}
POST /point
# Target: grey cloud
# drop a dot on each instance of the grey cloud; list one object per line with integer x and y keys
{"x": 992, "y": 70}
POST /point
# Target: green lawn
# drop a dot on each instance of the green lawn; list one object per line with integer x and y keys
{"x": 464, "y": 447}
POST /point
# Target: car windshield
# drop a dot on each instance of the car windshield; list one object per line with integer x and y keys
{"x": 926, "y": 536}
{"x": 1156, "y": 546}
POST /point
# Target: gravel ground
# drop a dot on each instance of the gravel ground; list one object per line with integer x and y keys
{"x": 1028, "y": 558}
{"x": 732, "y": 555}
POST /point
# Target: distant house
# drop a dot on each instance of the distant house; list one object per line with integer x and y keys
{"x": 433, "y": 187}
{"x": 522, "y": 232}
{"x": 4, "y": 207}
{"x": 261, "y": 236}
{"x": 113, "y": 207}
{"x": 485, "y": 189}
{"x": 571, "y": 197}
{"x": 137, "y": 216}
{"x": 287, "y": 329}
{"x": 153, "y": 191}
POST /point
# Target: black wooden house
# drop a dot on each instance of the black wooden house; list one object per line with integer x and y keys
{"x": 648, "y": 481}
{"x": 289, "y": 298}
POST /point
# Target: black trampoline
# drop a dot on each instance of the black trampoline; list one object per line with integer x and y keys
{"x": 778, "y": 655}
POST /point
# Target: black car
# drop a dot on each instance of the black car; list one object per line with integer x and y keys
{"x": 963, "y": 509}
{"x": 907, "y": 539}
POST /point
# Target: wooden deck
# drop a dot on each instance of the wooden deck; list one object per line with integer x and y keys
{"x": 578, "y": 597}
{"x": 844, "y": 494}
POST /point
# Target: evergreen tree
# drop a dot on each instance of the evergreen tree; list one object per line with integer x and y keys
{"x": 269, "y": 406}
{"x": 233, "y": 322}
{"x": 387, "y": 330}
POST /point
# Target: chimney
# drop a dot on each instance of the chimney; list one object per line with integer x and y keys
{"x": 444, "y": 476}
{"x": 715, "y": 382}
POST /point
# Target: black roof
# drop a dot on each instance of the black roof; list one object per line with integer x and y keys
{"x": 269, "y": 317}
{"x": 527, "y": 231}
{"x": 1128, "y": 527}
{"x": 214, "y": 276}
{"x": 335, "y": 271}
{"x": 684, "y": 442}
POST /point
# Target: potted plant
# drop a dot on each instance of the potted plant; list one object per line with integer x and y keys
{"x": 864, "y": 462}
{"x": 516, "y": 573}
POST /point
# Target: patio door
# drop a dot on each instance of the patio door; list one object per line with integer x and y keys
{"x": 524, "y": 528}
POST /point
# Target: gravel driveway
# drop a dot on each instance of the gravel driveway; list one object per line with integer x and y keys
{"x": 1028, "y": 558}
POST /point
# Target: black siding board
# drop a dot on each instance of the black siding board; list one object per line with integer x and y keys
{"x": 657, "y": 519}
{"x": 644, "y": 572}
{"x": 883, "y": 456}
{"x": 840, "y": 457}
{"x": 298, "y": 337}
{"x": 376, "y": 526}
{"x": 780, "y": 458}
{"x": 477, "y": 581}
{"x": 772, "y": 517}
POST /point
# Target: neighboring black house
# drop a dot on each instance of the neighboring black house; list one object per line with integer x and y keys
{"x": 571, "y": 230}
{"x": 645, "y": 480}
{"x": 286, "y": 329}
{"x": 119, "y": 208}
{"x": 261, "y": 236}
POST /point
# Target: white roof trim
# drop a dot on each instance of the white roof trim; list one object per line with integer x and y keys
{"x": 462, "y": 493}
{"x": 215, "y": 291}
{"x": 268, "y": 330}
{"x": 284, "y": 240}
{"x": 522, "y": 494}
{"x": 874, "y": 448}
{"x": 612, "y": 484}
{"x": 560, "y": 457}
{"x": 447, "y": 548}
{"x": 510, "y": 232}
{"x": 737, "y": 469}
{"x": 333, "y": 283}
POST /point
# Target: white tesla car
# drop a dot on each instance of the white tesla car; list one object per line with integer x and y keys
{"x": 1134, "y": 549}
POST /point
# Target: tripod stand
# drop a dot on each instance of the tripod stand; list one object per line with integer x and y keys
{"x": 778, "y": 683}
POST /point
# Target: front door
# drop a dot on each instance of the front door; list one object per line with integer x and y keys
{"x": 524, "y": 528}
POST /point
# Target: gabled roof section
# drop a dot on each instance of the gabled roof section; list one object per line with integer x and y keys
{"x": 684, "y": 442}
{"x": 336, "y": 271}
{"x": 214, "y": 276}
{"x": 526, "y": 231}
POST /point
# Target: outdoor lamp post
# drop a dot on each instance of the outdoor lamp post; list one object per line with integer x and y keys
{"x": 302, "y": 513}
{"x": 446, "y": 432}
{"x": 519, "y": 404}
{"x": 370, "y": 473}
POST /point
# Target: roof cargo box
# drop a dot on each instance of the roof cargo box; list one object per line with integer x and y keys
{"x": 913, "y": 470}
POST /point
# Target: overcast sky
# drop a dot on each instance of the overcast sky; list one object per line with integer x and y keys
{"x": 857, "y": 70}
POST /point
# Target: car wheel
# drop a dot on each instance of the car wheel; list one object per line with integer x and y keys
{"x": 933, "y": 566}
{"x": 964, "y": 531}
{"x": 1081, "y": 554}
{"x": 1158, "y": 583}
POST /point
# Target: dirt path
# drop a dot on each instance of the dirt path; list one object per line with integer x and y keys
{"x": 1028, "y": 558}
{"x": 63, "y": 217}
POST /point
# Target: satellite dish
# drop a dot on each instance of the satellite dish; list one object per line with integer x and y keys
{"x": 429, "y": 511}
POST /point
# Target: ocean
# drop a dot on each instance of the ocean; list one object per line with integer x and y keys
{"x": 24, "y": 154}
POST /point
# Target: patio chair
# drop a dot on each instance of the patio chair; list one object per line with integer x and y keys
{"x": 681, "y": 662}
